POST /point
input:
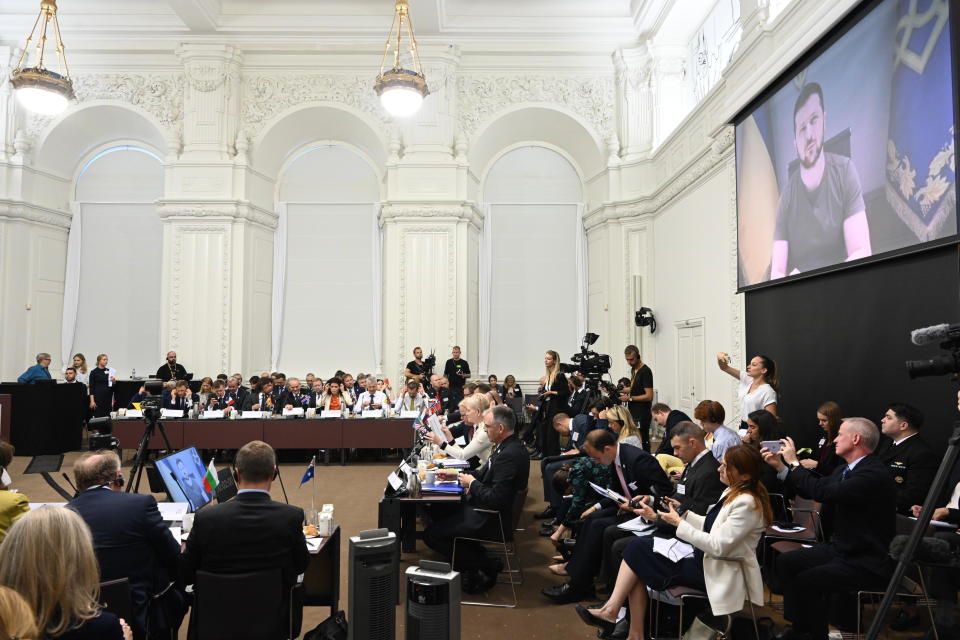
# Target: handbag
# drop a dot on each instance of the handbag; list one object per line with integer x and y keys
{"x": 166, "y": 610}
{"x": 333, "y": 628}
{"x": 700, "y": 630}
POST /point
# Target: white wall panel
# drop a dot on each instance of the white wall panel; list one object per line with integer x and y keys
{"x": 119, "y": 305}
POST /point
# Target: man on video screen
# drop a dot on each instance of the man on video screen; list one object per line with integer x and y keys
{"x": 191, "y": 486}
{"x": 821, "y": 217}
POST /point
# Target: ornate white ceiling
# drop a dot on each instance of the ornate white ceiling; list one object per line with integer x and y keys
{"x": 489, "y": 25}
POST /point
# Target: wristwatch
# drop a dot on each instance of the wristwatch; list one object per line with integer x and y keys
{"x": 795, "y": 464}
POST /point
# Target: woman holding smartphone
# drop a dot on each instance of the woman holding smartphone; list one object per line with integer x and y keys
{"x": 759, "y": 384}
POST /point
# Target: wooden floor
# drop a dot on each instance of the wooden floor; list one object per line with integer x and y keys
{"x": 355, "y": 490}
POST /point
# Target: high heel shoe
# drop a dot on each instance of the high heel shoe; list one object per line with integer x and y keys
{"x": 606, "y": 627}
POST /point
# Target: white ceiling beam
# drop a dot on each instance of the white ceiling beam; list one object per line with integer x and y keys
{"x": 198, "y": 15}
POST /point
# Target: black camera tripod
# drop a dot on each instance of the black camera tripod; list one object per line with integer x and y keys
{"x": 152, "y": 420}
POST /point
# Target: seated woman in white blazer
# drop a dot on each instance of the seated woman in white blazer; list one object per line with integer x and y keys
{"x": 471, "y": 411}
{"x": 731, "y": 530}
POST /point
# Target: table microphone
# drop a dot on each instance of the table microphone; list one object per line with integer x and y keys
{"x": 934, "y": 333}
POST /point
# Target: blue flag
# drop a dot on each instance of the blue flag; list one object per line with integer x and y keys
{"x": 308, "y": 474}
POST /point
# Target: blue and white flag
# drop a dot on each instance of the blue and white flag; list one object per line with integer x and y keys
{"x": 308, "y": 474}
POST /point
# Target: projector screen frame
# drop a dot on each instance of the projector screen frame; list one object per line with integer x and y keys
{"x": 849, "y": 20}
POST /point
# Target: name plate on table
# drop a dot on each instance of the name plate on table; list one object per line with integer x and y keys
{"x": 372, "y": 413}
{"x": 251, "y": 415}
{"x": 409, "y": 414}
{"x": 212, "y": 413}
{"x": 171, "y": 413}
{"x": 296, "y": 412}
{"x": 134, "y": 413}
{"x": 331, "y": 413}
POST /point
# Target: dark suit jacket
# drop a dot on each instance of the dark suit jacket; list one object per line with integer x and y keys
{"x": 131, "y": 541}
{"x": 701, "y": 485}
{"x": 500, "y": 478}
{"x": 255, "y": 398}
{"x": 673, "y": 419}
{"x": 247, "y": 534}
{"x": 912, "y": 465}
{"x": 288, "y": 398}
{"x": 576, "y": 403}
{"x": 861, "y": 509}
{"x": 580, "y": 426}
{"x": 240, "y": 395}
{"x": 641, "y": 472}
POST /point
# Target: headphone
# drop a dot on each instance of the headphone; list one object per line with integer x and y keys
{"x": 117, "y": 482}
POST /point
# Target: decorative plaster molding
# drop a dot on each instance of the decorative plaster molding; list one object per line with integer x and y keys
{"x": 233, "y": 210}
{"x": 737, "y": 321}
{"x": 466, "y": 211}
{"x": 264, "y": 96}
{"x": 593, "y": 98}
{"x": 712, "y": 158}
{"x": 15, "y": 210}
{"x": 160, "y": 94}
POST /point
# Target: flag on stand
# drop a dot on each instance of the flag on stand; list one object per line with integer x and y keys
{"x": 308, "y": 474}
{"x": 210, "y": 481}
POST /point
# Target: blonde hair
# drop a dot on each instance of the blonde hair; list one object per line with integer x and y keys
{"x": 477, "y": 402}
{"x": 553, "y": 371}
{"x": 47, "y": 557}
{"x": 620, "y": 414}
{"x": 16, "y": 619}
{"x": 83, "y": 360}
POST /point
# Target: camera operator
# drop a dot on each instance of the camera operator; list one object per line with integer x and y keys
{"x": 640, "y": 394}
{"x": 417, "y": 368}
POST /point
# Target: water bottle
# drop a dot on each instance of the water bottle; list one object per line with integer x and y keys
{"x": 133, "y": 374}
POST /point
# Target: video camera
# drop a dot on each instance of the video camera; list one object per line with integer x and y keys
{"x": 590, "y": 364}
{"x": 429, "y": 363}
{"x": 948, "y": 364}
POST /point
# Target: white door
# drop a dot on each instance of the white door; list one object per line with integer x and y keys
{"x": 691, "y": 360}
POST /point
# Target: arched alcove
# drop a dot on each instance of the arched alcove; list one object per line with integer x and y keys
{"x": 533, "y": 197}
{"x": 327, "y": 194}
{"x": 118, "y": 258}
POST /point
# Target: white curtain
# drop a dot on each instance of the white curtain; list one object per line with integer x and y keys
{"x": 377, "y": 288}
{"x": 486, "y": 280}
{"x": 581, "y": 257}
{"x": 71, "y": 285}
{"x": 279, "y": 282}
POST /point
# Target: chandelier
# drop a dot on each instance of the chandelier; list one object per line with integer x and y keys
{"x": 37, "y": 88}
{"x": 401, "y": 90}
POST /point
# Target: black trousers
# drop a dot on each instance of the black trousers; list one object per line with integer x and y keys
{"x": 588, "y": 553}
{"x": 810, "y": 576}
{"x": 548, "y": 467}
{"x": 548, "y": 440}
{"x": 461, "y": 521}
{"x": 615, "y": 540}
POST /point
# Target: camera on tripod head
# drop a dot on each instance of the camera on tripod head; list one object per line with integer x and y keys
{"x": 151, "y": 408}
{"x": 590, "y": 364}
{"x": 429, "y": 363}
{"x": 948, "y": 335}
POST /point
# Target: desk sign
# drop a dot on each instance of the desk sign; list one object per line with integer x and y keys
{"x": 330, "y": 413}
{"x": 171, "y": 413}
{"x": 406, "y": 413}
{"x": 251, "y": 415}
{"x": 295, "y": 411}
{"x": 372, "y": 413}
{"x": 134, "y": 413}
{"x": 212, "y": 413}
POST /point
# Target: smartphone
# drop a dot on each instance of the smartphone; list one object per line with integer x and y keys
{"x": 773, "y": 446}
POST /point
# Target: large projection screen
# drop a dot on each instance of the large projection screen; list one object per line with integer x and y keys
{"x": 849, "y": 156}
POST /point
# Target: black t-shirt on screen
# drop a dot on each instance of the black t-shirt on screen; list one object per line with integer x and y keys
{"x": 454, "y": 367}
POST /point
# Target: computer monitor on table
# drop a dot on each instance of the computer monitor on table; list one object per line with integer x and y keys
{"x": 182, "y": 474}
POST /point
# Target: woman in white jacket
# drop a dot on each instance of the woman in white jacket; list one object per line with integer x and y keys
{"x": 724, "y": 540}
{"x": 471, "y": 410}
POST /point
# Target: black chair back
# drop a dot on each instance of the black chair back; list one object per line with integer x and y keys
{"x": 115, "y": 598}
{"x": 240, "y": 606}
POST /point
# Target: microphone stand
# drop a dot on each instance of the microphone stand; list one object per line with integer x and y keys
{"x": 923, "y": 521}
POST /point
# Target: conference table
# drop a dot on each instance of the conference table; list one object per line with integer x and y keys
{"x": 279, "y": 433}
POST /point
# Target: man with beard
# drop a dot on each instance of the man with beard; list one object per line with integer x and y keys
{"x": 821, "y": 217}
{"x": 171, "y": 369}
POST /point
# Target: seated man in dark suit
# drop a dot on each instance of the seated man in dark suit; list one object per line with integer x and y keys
{"x": 181, "y": 398}
{"x": 860, "y": 499}
{"x": 129, "y": 536}
{"x": 668, "y": 419}
{"x": 295, "y": 397}
{"x": 699, "y": 488}
{"x": 251, "y": 532}
{"x": 220, "y": 401}
{"x": 635, "y": 472}
{"x": 911, "y": 463}
{"x": 234, "y": 391}
{"x": 262, "y": 400}
{"x": 576, "y": 430}
{"x": 493, "y": 486}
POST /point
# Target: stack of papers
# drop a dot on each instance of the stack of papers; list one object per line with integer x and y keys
{"x": 638, "y": 526}
{"x": 672, "y": 549}
{"x": 608, "y": 493}
{"x": 313, "y": 544}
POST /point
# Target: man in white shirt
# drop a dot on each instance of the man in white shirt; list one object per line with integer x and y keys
{"x": 371, "y": 398}
{"x": 413, "y": 398}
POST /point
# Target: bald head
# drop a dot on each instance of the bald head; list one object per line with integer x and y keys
{"x": 96, "y": 468}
